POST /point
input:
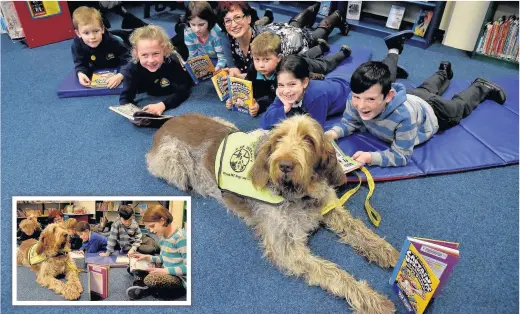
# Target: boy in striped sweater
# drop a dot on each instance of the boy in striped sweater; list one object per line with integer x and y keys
{"x": 405, "y": 117}
{"x": 125, "y": 233}
{"x": 169, "y": 280}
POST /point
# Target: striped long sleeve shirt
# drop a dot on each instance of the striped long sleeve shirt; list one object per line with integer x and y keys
{"x": 173, "y": 254}
{"x": 406, "y": 122}
{"x": 128, "y": 237}
{"x": 212, "y": 47}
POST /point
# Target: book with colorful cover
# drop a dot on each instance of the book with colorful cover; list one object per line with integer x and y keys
{"x": 422, "y": 22}
{"x": 354, "y": 10}
{"x": 240, "y": 93}
{"x": 218, "y": 82}
{"x": 100, "y": 78}
{"x": 395, "y": 17}
{"x": 422, "y": 270}
{"x": 98, "y": 282}
{"x": 199, "y": 68}
{"x": 324, "y": 8}
{"x": 347, "y": 163}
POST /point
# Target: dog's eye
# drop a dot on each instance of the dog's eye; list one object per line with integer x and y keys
{"x": 309, "y": 140}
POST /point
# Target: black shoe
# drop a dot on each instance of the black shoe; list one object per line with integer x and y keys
{"x": 316, "y": 76}
{"x": 494, "y": 92}
{"x": 401, "y": 73}
{"x": 446, "y": 66}
{"x": 137, "y": 292}
{"x": 324, "y": 45}
{"x": 346, "y": 50}
{"x": 269, "y": 14}
{"x": 396, "y": 41}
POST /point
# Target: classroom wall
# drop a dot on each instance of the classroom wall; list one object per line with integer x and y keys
{"x": 465, "y": 24}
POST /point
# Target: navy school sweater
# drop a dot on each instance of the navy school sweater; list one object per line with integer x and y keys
{"x": 170, "y": 80}
{"x": 264, "y": 90}
{"x": 111, "y": 53}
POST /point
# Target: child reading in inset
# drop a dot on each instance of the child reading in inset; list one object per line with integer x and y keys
{"x": 155, "y": 70}
{"x": 92, "y": 242}
{"x": 125, "y": 233}
{"x": 170, "y": 279}
{"x": 94, "y": 48}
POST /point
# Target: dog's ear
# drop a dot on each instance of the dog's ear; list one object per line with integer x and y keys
{"x": 259, "y": 173}
{"x": 43, "y": 241}
{"x": 329, "y": 167}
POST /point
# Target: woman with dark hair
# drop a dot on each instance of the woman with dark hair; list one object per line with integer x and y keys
{"x": 236, "y": 18}
{"x": 203, "y": 36}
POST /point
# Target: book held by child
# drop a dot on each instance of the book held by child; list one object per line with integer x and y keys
{"x": 100, "y": 78}
{"x": 240, "y": 93}
{"x": 218, "y": 82}
{"x": 140, "y": 265}
{"x": 129, "y": 111}
{"x": 199, "y": 68}
{"x": 422, "y": 270}
{"x": 347, "y": 163}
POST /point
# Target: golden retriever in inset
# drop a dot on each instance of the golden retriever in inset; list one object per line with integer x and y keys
{"x": 295, "y": 161}
{"x": 53, "y": 246}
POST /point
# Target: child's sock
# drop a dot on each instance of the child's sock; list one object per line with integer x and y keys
{"x": 393, "y": 50}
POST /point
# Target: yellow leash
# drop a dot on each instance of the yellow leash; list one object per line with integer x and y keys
{"x": 373, "y": 215}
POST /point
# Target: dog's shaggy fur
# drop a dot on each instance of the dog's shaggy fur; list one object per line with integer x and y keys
{"x": 54, "y": 244}
{"x": 296, "y": 161}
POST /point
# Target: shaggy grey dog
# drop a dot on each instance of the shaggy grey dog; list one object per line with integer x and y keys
{"x": 293, "y": 160}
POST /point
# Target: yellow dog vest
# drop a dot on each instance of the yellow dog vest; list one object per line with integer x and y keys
{"x": 234, "y": 160}
{"x": 33, "y": 257}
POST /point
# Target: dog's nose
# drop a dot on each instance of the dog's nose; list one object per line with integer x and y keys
{"x": 286, "y": 166}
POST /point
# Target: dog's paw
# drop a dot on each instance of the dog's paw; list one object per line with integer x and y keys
{"x": 389, "y": 257}
{"x": 71, "y": 293}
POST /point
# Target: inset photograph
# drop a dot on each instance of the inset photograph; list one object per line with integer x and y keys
{"x": 101, "y": 251}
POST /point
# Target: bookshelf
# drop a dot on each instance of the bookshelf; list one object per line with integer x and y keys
{"x": 496, "y": 10}
{"x": 374, "y": 15}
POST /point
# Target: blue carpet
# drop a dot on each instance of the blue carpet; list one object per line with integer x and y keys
{"x": 76, "y": 146}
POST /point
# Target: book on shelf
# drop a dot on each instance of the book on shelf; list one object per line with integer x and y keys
{"x": 395, "y": 17}
{"x": 354, "y": 10}
{"x": 422, "y": 270}
{"x": 199, "y": 68}
{"x": 324, "y": 8}
{"x": 98, "y": 281}
{"x": 132, "y": 112}
{"x": 218, "y": 82}
{"x": 424, "y": 17}
{"x": 240, "y": 93}
{"x": 100, "y": 78}
{"x": 347, "y": 163}
{"x": 140, "y": 265}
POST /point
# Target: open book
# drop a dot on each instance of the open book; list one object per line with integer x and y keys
{"x": 129, "y": 110}
{"x": 140, "y": 265}
{"x": 347, "y": 163}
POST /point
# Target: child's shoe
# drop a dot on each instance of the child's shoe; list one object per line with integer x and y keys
{"x": 401, "y": 73}
{"x": 267, "y": 19}
{"x": 324, "y": 45}
{"x": 346, "y": 50}
{"x": 446, "y": 66}
{"x": 316, "y": 76}
{"x": 137, "y": 292}
{"x": 396, "y": 41}
{"x": 494, "y": 92}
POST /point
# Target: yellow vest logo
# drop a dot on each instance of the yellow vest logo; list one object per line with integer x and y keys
{"x": 165, "y": 82}
{"x": 110, "y": 56}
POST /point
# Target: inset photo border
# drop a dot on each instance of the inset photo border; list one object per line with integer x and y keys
{"x": 50, "y": 264}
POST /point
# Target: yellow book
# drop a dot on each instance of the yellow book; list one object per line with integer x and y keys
{"x": 200, "y": 68}
{"x": 100, "y": 78}
{"x": 218, "y": 81}
{"x": 241, "y": 94}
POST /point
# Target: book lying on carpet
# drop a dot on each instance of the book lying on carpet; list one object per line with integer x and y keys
{"x": 141, "y": 265}
{"x": 199, "y": 68}
{"x": 422, "y": 270}
{"x": 98, "y": 282}
{"x": 422, "y": 22}
{"x": 354, "y": 10}
{"x": 218, "y": 81}
{"x": 122, "y": 259}
{"x": 395, "y": 17}
{"x": 240, "y": 93}
{"x": 129, "y": 110}
{"x": 347, "y": 163}
{"x": 100, "y": 78}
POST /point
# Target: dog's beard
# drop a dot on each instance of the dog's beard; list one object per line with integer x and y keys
{"x": 288, "y": 185}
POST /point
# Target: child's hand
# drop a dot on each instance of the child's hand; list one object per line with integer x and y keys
{"x": 131, "y": 252}
{"x": 363, "y": 157}
{"x": 83, "y": 79}
{"x": 229, "y": 105}
{"x": 79, "y": 252}
{"x": 331, "y": 135}
{"x": 157, "y": 109}
{"x": 253, "y": 110}
{"x": 159, "y": 271}
{"x": 104, "y": 254}
{"x": 233, "y": 72}
{"x": 139, "y": 256}
{"x": 286, "y": 105}
{"x": 115, "y": 80}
